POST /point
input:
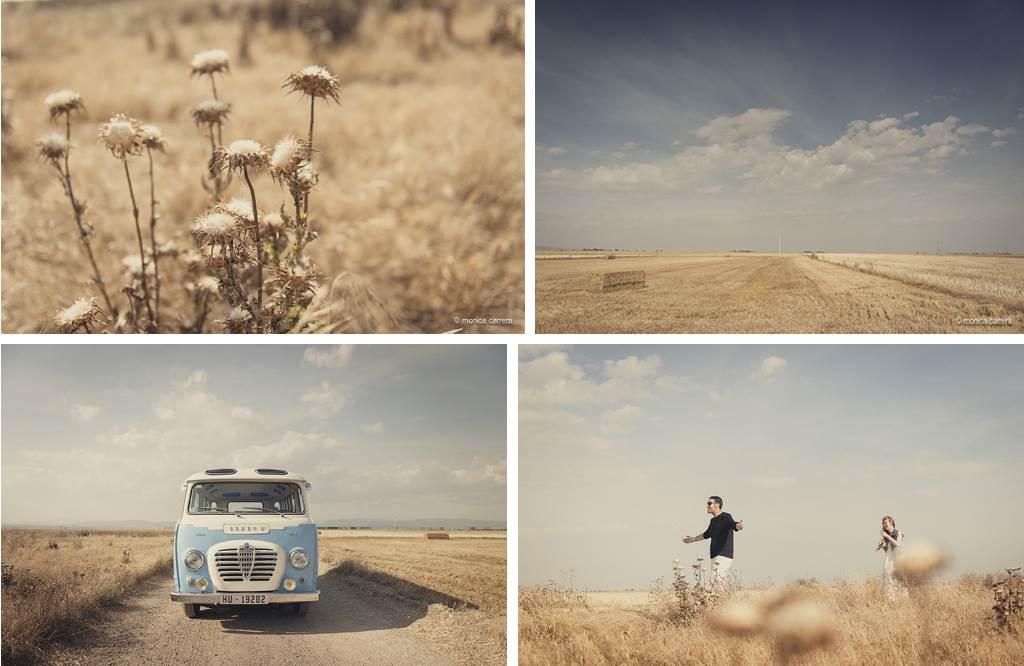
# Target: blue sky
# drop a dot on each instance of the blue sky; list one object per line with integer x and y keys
{"x": 861, "y": 127}
{"x": 810, "y": 445}
{"x": 391, "y": 432}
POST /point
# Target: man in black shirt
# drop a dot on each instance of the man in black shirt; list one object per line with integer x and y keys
{"x": 720, "y": 531}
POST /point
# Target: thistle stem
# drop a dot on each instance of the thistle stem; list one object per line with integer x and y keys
{"x": 152, "y": 238}
{"x": 312, "y": 106}
{"x": 76, "y": 208}
{"x": 259, "y": 244}
{"x": 138, "y": 233}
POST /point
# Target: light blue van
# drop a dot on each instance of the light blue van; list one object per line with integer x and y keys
{"x": 245, "y": 538}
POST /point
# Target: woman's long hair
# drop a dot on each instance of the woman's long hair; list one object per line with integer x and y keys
{"x": 883, "y": 544}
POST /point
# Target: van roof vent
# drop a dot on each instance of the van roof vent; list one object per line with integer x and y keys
{"x": 222, "y": 470}
{"x": 274, "y": 472}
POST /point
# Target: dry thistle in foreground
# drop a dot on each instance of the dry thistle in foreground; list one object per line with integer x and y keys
{"x": 56, "y": 150}
{"x": 313, "y": 81}
{"x": 738, "y": 618}
{"x": 153, "y": 139}
{"x": 78, "y": 315}
{"x": 241, "y": 156}
{"x": 801, "y": 626}
{"x": 1008, "y": 594}
{"x": 919, "y": 562}
{"x": 123, "y": 137}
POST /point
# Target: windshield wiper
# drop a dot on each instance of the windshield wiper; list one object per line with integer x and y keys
{"x": 265, "y": 510}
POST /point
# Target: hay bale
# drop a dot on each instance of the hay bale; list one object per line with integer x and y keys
{"x": 438, "y": 535}
{"x": 605, "y": 282}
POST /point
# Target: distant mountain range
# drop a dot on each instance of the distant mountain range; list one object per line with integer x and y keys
{"x": 362, "y": 523}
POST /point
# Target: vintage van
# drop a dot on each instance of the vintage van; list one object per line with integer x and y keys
{"x": 245, "y": 537}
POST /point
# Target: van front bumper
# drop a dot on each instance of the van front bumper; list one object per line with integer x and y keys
{"x": 214, "y": 598}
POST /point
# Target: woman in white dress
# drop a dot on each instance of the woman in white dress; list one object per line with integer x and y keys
{"x": 891, "y": 542}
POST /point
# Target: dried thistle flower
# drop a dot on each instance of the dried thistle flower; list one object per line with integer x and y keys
{"x": 288, "y": 154}
{"x": 273, "y": 220}
{"x": 81, "y": 313}
{"x": 738, "y": 618}
{"x": 63, "y": 101}
{"x": 314, "y": 81}
{"x": 239, "y": 208}
{"x": 243, "y": 154}
{"x": 306, "y": 177}
{"x": 211, "y": 112}
{"x": 52, "y": 146}
{"x": 801, "y": 626}
{"x": 210, "y": 62}
{"x": 919, "y": 562}
{"x": 215, "y": 227}
{"x": 206, "y": 284}
{"x": 152, "y": 138}
{"x": 122, "y": 136}
{"x": 237, "y": 320}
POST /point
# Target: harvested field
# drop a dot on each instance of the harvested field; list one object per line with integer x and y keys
{"x": 791, "y": 293}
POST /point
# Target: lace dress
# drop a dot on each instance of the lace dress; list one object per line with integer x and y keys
{"x": 894, "y": 587}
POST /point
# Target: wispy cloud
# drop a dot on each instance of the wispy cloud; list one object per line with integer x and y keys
{"x": 84, "y": 413}
{"x": 325, "y": 400}
{"x": 334, "y": 356}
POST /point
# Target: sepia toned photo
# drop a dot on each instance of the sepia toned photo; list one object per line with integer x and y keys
{"x": 263, "y": 166}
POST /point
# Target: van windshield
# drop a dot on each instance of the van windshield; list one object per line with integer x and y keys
{"x": 245, "y": 497}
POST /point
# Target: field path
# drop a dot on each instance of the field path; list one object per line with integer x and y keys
{"x": 353, "y": 623}
{"x": 749, "y": 294}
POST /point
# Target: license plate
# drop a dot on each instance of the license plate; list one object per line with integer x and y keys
{"x": 243, "y": 599}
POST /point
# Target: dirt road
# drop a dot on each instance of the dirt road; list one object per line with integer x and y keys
{"x": 355, "y": 622}
{"x": 751, "y": 294}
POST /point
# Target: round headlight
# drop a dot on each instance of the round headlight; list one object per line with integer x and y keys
{"x": 299, "y": 559}
{"x": 193, "y": 560}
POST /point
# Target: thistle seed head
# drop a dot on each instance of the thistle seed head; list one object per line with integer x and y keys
{"x": 52, "y": 146}
{"x": 236, "y": 321}
{"x": 272, "y": 221}
{"x": 122, "y": 136}
{"x": 81, "y": 312}
{"x": 239, "y": 208}
{"x": 152, "y": 138}
{"x": 210, "y": 62}
{"x": 314, "y": 81}
{"x": 738, "y": 618}
{"x": 306, "y": 177}
{"x": 919, "y": 562}
{"x": 288, "y": 154}
{"x": 211, "y": 112}
{"x": 243, "y": 154}
{"x": 206, "y": 284}
{"x": 801, "y": 626}
{"x": 63, "y": 101}
{"x": 215, "y": 227}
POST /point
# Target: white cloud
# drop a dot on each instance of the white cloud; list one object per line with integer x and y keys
{"x": 1003, "y": 133}
{"x": 324, "y": 401}
{"x": 555, "y": 150}
{"x": 335, "y": 356}
{"x": 632, "y": 367}
{"x": 242, "y": 412}
{"x": 910, "y": 116}
{"x": 373, "y": 428}
{"x": 616, "y": 419}
{"x": 629, "y": 145}
{"x": 772, "y": 366}
{"x": 480, "y": 472}
{"x": 84, "y": 413}
{"x": 972, "y": 130}
{"x": 997, "y": 144}
{"x": 754, "y": 123}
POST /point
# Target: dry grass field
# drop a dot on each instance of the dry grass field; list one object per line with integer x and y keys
{"x": 57, "y": 597}
{"x": 54, "y": 581}
{"x": 791, "y": 293}
{"x": 941, "y": 623}
{"x": 416, "y": 217}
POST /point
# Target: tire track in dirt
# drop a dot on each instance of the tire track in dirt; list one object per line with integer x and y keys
{"x": 353, "y": 623}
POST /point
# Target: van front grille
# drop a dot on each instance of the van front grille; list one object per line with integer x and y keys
{"x": 245, "y": 563}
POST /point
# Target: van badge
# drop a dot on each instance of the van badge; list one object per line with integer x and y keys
{"x": 246, "y": 560}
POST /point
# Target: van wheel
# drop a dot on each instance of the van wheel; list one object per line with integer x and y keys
{"x": 191, "y": 611}
{"x": 301, "y": 608}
